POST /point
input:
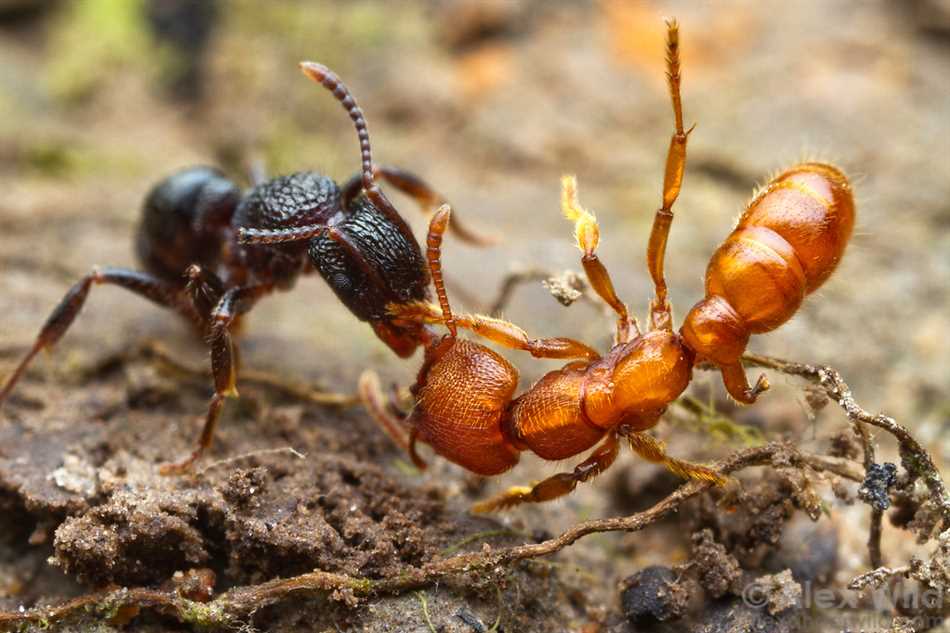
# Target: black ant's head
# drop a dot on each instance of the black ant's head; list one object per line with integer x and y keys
{"x": 371, "y": 261}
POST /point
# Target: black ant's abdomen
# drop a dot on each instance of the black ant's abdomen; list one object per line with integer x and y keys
{"x": 182, "y": 219}
{"x": 370, "y": 262}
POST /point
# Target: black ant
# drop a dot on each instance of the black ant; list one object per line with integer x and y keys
{"x": 210, "y": 252}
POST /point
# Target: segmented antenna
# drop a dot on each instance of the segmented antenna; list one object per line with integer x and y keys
{"x": 673, "y": 76}
{"x": 276, "y": 236}
{"x": 329, "y": 80}
{"x": 437, "y": 226}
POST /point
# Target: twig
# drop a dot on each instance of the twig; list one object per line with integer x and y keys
{"x": 567, "y": 287}
{"x": 156, "y": 351}
{"x": 230, "y": 607}
{"x": 258, "y": 453}
{"x": 915, "y": 459}
{"x": 425, "y": 610}
{"x": 877, "y": 577}
{"x": 236, "y": 603}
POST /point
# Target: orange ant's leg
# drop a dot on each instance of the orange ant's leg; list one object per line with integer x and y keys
{"x": 737, "y": 383}
{"x": 373, "y": 398}
{"x": 587, "y": 236}
{"x": 232, "y": 304}
{"x": 62, "y": 317}
{"x": 499, "y": 331}
{"x": 557, "y": 485}
{"x": 653, "y": 450}
{"x": 660, "y": 317}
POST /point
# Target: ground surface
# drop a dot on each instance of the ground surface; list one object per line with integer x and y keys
{"x": 492, "y": 104}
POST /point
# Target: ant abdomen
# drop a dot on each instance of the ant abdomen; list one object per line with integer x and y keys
{"x": 550, "y": 419}
{"x": 785, "y": 245}
{"x": 460, "y": 408}
{"x": 179, "y": 221}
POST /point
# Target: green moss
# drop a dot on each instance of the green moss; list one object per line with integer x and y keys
{"x": 707, "y": 419}
{"x": 92, "y": 39}
{"x": 210, "y": 615}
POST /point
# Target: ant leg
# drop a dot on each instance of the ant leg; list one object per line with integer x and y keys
{"x": 587, "y": 236}
{"x": 557, "y": 485}
{"x": 143, "y": 284}
{"x": 653, "y": 450}
{"x": 419, "y": 190}
{"x": 375, "y": 402}
{"x": 205, "y": 289}
{"x": 660, "y": 317}
{"x": 232, "y": 304}
{"x": 498, "y": 331}
{"x": 737, "y": 384}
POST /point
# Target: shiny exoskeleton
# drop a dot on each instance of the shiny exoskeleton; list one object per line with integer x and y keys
{"x": 786, "y": 244}
{"x": 211, "y": 251}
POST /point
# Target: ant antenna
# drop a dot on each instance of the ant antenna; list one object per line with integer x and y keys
{"x": 329, "y": 80}
{"x": 276, "y": 236}
{"x": 437, "y": 226}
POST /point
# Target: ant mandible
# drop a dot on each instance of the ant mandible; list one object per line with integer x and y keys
{"x": 785, "y": 245}
{"x": 210, "y": 253}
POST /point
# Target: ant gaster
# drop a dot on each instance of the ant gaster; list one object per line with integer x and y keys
{"x": 786, "y": 244}
{"x": 210, "y": 253}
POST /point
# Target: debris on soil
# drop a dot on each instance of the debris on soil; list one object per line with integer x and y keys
{"x": 653, "y": 594}
{"x": 877, "y": 483}
{"x": 717, "y": 570}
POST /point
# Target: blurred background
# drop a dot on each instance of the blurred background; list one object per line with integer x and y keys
{"x": 491, "y": 102}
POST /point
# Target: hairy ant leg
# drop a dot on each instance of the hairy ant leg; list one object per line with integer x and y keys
{"x": 587, "y": 237}
{"x": 653, "y": 450}
{"x": 557, "y": 485}
{"x": 145, "y": 285}
{"x": 499, "y": 331}
{"x": 233, "y": 303}
{"x": 381, "y": 411}
{"x": 660, "y": 311}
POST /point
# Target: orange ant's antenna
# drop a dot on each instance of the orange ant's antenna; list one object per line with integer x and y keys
{"x": 660, "y": 317}
{"x": 437, "y": 227}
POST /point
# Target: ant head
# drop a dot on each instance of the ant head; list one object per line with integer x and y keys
{"x": 370, "y": 263}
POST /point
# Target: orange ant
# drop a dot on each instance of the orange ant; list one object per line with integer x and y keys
{"x": 785, "y": 245}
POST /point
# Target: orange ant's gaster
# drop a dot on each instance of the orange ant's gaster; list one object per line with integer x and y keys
{"x": 786, "y": 244}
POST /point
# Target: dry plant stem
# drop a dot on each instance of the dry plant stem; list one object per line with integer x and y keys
{"x": 156, "y": 351}
{"x": 237, "y": 603}
{"x": 520, "y": 277}
{"x": 915, "y": 458}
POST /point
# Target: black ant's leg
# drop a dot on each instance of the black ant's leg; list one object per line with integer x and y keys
{"x": 423, "y": 193}
{"x": 205, "y": 290}
{"x": 232, "y": 304}
{"x": 161, "y": 292}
